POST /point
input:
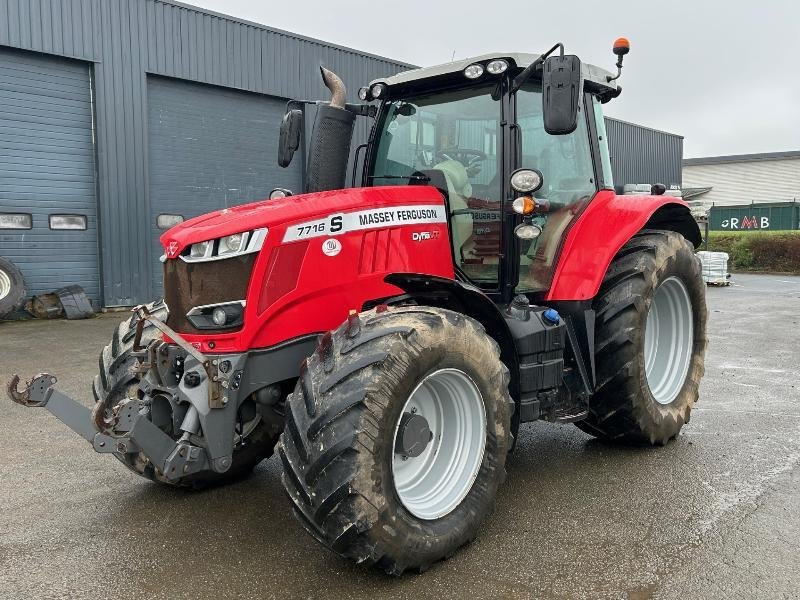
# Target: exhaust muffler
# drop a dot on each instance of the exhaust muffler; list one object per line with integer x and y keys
{"x": 329, "y": 151}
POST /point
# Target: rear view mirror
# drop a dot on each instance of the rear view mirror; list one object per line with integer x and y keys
{"x": 562, "y": 90}
{"x": 289, "y": 140}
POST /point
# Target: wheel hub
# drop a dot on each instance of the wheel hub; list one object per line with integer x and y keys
{"x": 413, "y": 435}
{"x": 439, "y": 442}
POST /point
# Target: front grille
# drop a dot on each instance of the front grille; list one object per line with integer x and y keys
{"x": 187, "y": 285}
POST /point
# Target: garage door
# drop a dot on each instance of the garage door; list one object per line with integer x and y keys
{"x": 210, "y": 148}
{"x": 48, "y": 212}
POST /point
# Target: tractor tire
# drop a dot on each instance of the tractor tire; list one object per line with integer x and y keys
{"x": 356, "y": 398}
{"x": 650, "y": 341}
{"x": 12, "y": 287}
{"x": 117, "y": 381}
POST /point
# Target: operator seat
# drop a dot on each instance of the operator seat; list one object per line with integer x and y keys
{"x": 450, "y": 177}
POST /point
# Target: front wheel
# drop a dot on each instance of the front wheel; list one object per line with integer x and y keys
{"x": 396, "y": 436}
{"x": 650, "y": 341}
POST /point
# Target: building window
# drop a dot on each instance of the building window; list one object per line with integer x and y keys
{"x": 15, "y": 221}
{"x": 72, "y": 222}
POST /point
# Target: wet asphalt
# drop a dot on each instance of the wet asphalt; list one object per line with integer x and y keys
{"x": 715, "y": 514}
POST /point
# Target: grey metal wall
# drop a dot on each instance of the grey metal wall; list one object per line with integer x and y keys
{"x": 643, "y": 155}
{"x": 128, "y": 39}
{"x": 47, "y": 167}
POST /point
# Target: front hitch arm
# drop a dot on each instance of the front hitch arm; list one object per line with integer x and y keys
{"x": 174, "y": 459}
{"x": 39, "y": 392}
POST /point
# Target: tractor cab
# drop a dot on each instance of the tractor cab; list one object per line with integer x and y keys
{"x": 514, "y": 142}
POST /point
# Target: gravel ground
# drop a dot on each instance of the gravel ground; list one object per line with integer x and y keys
{"x": 715, "y": 514}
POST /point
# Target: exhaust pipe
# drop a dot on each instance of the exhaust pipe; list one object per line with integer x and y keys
{"x": 335, "y": 84}
{"x": 329, "y": 150}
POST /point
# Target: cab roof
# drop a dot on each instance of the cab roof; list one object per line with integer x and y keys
{"x": 517, "y": 61}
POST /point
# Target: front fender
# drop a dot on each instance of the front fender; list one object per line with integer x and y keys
{"x": 603, "y": 228}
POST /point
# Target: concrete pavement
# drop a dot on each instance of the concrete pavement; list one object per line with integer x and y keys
{"x": 715, "y": 514}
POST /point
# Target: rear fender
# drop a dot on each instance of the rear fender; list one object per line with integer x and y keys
{"x": 603, "y": 228}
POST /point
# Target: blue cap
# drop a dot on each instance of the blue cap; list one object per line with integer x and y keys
{"x": 551, "y": 316}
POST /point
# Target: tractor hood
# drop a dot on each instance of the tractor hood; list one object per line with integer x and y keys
{"x": 277, "y": 214}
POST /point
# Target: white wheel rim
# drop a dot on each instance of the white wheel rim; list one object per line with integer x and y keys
{"x": 668, "y": 340}
{"x": 5, "y": 284}
{"x": 434, "y": 483}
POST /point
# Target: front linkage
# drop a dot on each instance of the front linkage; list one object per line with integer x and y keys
{"x": 181, "y": 390}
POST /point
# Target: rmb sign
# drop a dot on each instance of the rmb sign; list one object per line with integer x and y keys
{"x": 745, "y": 223}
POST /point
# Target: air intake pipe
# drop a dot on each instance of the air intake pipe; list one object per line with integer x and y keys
{"x": 330, "y": 143}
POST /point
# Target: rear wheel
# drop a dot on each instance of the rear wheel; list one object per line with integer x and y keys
{"x": 396, "y": 436}
{"x": 117, "y": 381}
{"x": 12, "y": 287}
{"x": 650, "y": 341}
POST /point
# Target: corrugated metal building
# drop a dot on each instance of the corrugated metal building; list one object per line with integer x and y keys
{"x": 643, "y": 155}
{"x": 114, "y": 113}
{"x": 744, "y": 178}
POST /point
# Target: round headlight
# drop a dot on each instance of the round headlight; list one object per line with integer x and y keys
{"x": 378, "y": 90}
{"x": 231, "y": 243}
{"x": 524, "y": 205}
{"x": 363, "y": 93}
{"x": 219, "y": 316}
{"x": 497, "y": 66}
{"x": 525, "y": 231}
{"x": 279, "y": 193}
{"x": 526, "y": 181}
{"x": 473, "y": 71}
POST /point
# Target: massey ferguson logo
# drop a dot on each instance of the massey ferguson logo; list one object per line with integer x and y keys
{"x": 172, "y": 249}
{"x": 423, "y": 236}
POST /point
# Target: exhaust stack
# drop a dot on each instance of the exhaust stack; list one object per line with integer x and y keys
{"x": 329, "y": 150}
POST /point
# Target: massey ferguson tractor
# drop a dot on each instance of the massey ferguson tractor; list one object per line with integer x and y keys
{"x": 387, "y": 341}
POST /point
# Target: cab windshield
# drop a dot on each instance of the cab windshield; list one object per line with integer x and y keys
{"x": 453, "y": 140}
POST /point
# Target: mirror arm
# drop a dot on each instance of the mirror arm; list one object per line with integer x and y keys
{"x": 520, "y": 79}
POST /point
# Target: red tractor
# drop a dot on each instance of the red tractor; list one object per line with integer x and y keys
{"x": 387, "y": 341}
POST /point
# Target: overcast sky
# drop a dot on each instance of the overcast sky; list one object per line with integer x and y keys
{"x": 725, "y": 75}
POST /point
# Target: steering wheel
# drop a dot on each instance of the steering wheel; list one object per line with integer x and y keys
{"x": 471, "y": 159}
{"x": 463, "y": 155}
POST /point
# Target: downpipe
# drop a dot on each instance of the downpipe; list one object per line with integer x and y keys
{"x": 209, "y": 397}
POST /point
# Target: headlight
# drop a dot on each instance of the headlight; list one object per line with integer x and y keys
{"x": 497, "y": 66}
{"x": 235, "y": 244}
{"x": 217, "y": 316}
{"x": 232, "y": 243}
{"x": 524, "y": 231}
{"x": 363, "y": 93}
{"x": 526, "y": 181}
{"x": 279, "y": 193}
{"x": 378, "y": 90}
{"x": 201, "y": 249}
{"x": 473, "y": 71}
